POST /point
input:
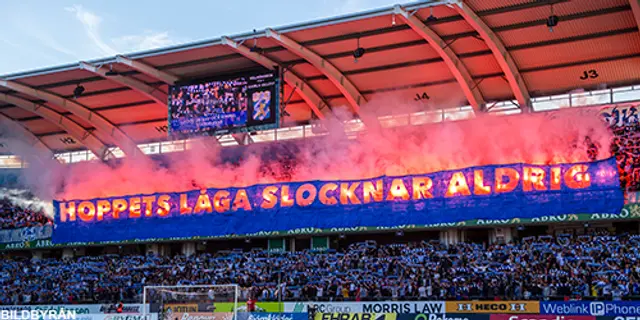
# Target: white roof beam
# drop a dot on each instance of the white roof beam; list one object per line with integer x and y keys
{"x": 450, "y": 58}
{"x": 308, "y": 94}
{"x": 346, "y": 87}
{"x": 25, "y": 135}
{"x": 635, "y": 7}
{"x": 88, "y": 139}
{"x": 137, "y": 85}
{"x": 148, "y": 70}
{"x": 506, "y": 62}
{"x": 124, "y": 142}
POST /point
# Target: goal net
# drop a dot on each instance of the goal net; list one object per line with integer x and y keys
{"x": 203, "y": 302}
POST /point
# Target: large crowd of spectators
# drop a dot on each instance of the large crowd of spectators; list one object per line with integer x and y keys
{"x": 626, "y": 148}
{"x": 13, "y": 216}
{"x": 545, "y": 267}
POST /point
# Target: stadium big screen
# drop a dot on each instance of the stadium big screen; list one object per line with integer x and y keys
{"x": 246, "y": 102}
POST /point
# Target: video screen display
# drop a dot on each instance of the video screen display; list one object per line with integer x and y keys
{"x": 239, "y": 104}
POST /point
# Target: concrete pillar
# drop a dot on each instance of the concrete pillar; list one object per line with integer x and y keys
{"x": 501, "y": 235}
{"x": 292, "y": 245}
{"x": 37, "y": 254}
{"x": 450, "y": 236}
{"x": 188, "y": 248}
{"x": 152, "y": 248}
{"x": 67, "y": 253}
{"x": 508, "y": 234}
{"x": 164, "y": 250}
{"x": 463, "y": 235}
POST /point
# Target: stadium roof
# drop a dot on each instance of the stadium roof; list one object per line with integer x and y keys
{"x": 430, "y": 54}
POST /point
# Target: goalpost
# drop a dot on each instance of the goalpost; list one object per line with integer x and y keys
{"x": 219, "y": 302}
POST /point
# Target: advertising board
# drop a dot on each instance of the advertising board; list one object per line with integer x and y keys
{"x": 529, "y": 307}
{"x": 454, "y": 316}
{"x": 591, "y": 308}
{"x": 428, "y": 307}
{"x": 355, "y": 316}
{"x": 271, "y": 316}
{"x": 538, "y": 317}
{"x": 199, "y": 316}
{"x": 265, "y": 307}
{"x": 80, "y": 308}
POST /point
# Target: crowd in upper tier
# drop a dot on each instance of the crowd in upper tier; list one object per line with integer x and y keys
{"x": 626, "y": 147}
{"x": 14, "y": 216}
{"x": 544, "y": 267}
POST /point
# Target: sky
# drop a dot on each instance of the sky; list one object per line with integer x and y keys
{"x": 39, "y": 33}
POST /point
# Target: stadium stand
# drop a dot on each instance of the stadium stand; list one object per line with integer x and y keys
{"x": 563, "y": 69}
{"x": 624, "y": 146}
{"x": 591, "y": 267}
{"x": 13, "y": 216}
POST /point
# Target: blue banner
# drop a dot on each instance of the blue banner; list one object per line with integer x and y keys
{"x": 271, "y": 316}
{"x": 488, "y": 192}
{"x": 591, "y": 308}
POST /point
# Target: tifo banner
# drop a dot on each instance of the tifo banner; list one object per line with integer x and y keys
{"x": 355, "y": 316}
{"x": 629, "y": 212}
{"x": 591, "y": 308}
{"x": 25, "y": 234}
{"x": 525, "y": 307}
{"x": 538, "y": 317}
{"x": 488, "y": 192}
{"x": 368, "y": 307}
{"x": 454, "y": 316}
{"x": 271, "y": 316}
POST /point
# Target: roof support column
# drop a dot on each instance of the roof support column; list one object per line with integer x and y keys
{"x": 635, "y": 7}
{"x": 346, "y": 87}
{"x": 148, "y": 70}
{"x": 506, "y": 62}
{"x": 153, "y": 72}
{"x": 242, "y": 138}
{"x": 124, "y": 142}
{"x": 458, "y": 69}
{"x": 308, "y": 94}
{"x": 76, "y": 131}
{"x": 25, "y": 135}
{"x": 149, "y": 91}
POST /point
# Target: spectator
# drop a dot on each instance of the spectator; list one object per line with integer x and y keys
{"x": 15, "y": 217}
{"x": 600, "y": 266}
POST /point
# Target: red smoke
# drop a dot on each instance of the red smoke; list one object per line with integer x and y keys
{"x": 542, "y": 138}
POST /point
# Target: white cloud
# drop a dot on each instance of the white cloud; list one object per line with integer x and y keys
{"x": 91, "y": 23}
{"x": 126, "y": 43}
{"x": 146, "y": 41}
{"x": 352, "y": 6}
